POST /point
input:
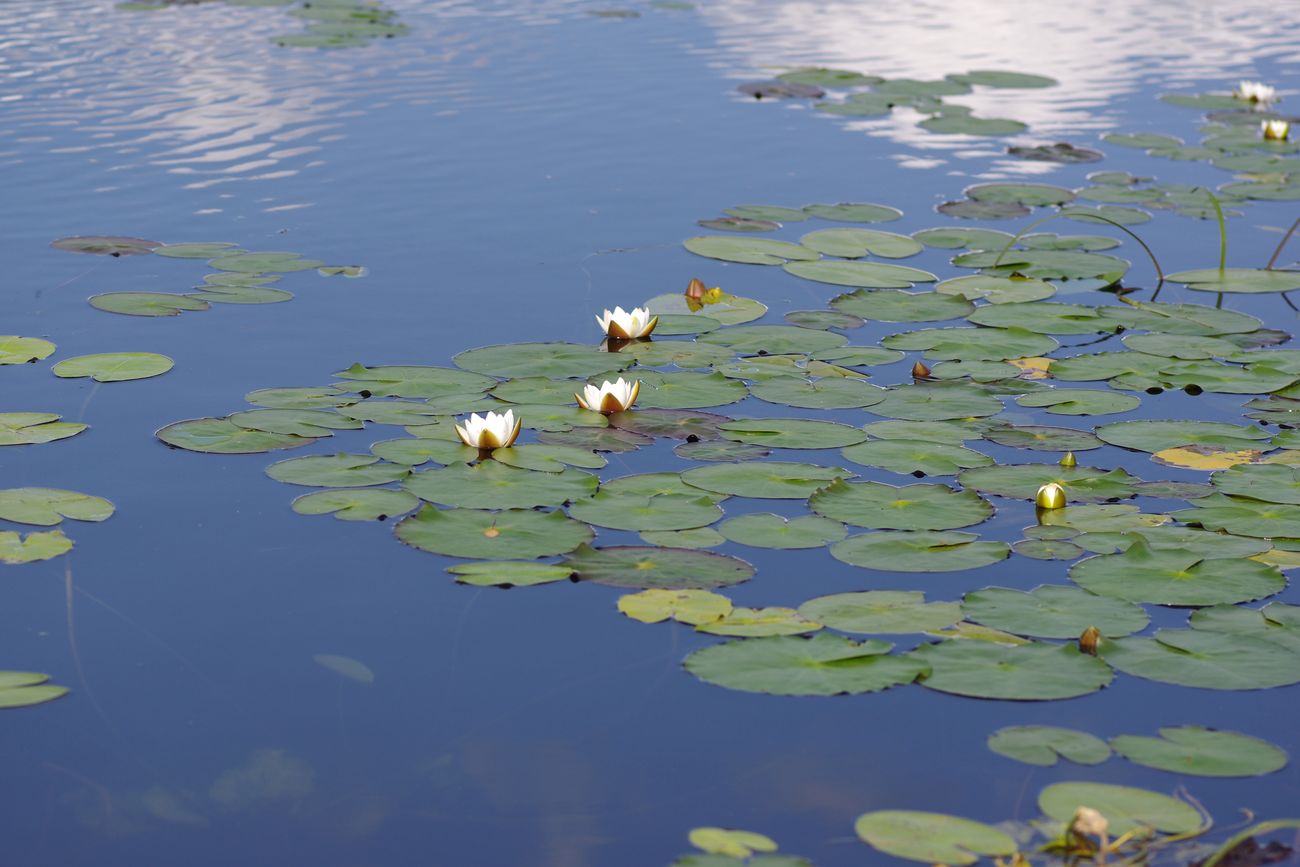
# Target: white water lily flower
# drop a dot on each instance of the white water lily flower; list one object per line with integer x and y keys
{"x": 1275, "y": 130}
{"x": 1255, "y": 91}
{"x": 491, "y": 431}
{"x": 610, "y": 397}
{"x": 628, "y": 326}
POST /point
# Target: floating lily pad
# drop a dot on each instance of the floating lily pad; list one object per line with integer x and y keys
{"x": 872, "y": 275}
{"x": 629, "y": 511}
{"x": 887, "y": 305}
{"x": 299, "y": 422}
{"x": 696, "y": 537}
{"x": 726, "y": 308}
{"x": 655, "y": 484}
{"x": 952, "y": 433}
{"x": 875, "y": 505}
{"x": 673, "y": 324}
{"x": 337, "y": 471}
{"x": 106, "y": 245}
{"x": 971, "y": 210}
{"x": 934, "y": 402}
{"x": 676, "y": 423}
{"x": 1111, "y": 214}
{"x": 421, "y": 381}
{"x": 824, "y": 319}
{"x": 492, "y": 485}
{"x": 29, "y": 428}
{"x": 33, "y": 547}
{"x": 371, "y": 504}
{"x": 1022, "y": 481}
{"x": 520, "y": 534}
{"x": 1027, "y": 672}
{"x": 765, "y": 530}
{"x": 508, "y": 573}
{"x": 919, "y": 551}
{"x": 791, "y": 433}
{"x": 881, "y": 612}
{"x": 548, "y": 458}
{"x": 753, "y": 251}
{"x": 823, "y": 77}
{"x": 759, "y": 623}
{"x": 857, "y": 243}
{"x": 597, "y": 439}
{"x": 820, "y": 665}
{"x": 1176, "y": 577}
{"x": 421, "y": 449}
{"x": 27, "y": 688}
{"x": 1237, "y": 280}
{"x": 1155, "y": 436}
{"x": 932, "y": 838}
{"x": 855, "y": 212}
{"x": 687, "y": 390}
{"x": 972, "y": 344}
{"x": 821, "y": 393}
{"x": 1202, "y": 752}
{"x": 661, "y": 353}
{"x": 1060, "y": 152}
{"x": 1125, "y": 808}
{"x": 1276, "y": 622}
{"x": 738, "y": 224}
{"x": 21, "y": 350}
{"x": 965, "y": 124}
{"x": 1244, "y": 517}
{"x": 667, "y": 568}
{"x": 720, "y": 450}
{"x": 1052, "y": 611}
{"x": 262, "y": 262}
{"x": 997, "y": 290}
{"x": 299, "y": 398}
{"x": 955, "y": 237}
{"x": 1080, "y": 401}
{"x": 1210, "y": 660}
{"x": 1043, "y": 438}
{"x": 537, "y": 359}
{"x": 1043, "y": 745}
{"x": 1046, "y": 318}
{"x": 1034, "y": 195}
{"x": 1047, "y": 264}
{"x": 764, "y": 479}
{"x": 146, "y": 303}
{"x": 911, "y": 456}
{"x": 725, "y": 841}
{"x": 1270, "y": 483}
{"x": 221, "y": 436}
{"x": 204, "y": 250}
{"x": 45, "y": 507}
{"x": 692, "y": 607}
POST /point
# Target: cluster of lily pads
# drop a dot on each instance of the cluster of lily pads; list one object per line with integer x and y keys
{"x": 874, "y": 96}
{"x": 330, "y": 23}
{"x": 239, "y": 276}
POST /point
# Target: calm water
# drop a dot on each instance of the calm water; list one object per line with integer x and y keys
{"x": 504, "y": 171}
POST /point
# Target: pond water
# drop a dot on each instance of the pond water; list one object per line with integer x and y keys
{"x": 252, "y": 685}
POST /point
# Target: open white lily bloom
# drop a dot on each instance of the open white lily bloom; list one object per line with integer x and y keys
{"x": 491, "y": 431}
{"x": 1275, "y": 130}
{"x": 1255, "y": 91}
{"x": 610, "y": 397}
{"x": 628, "y": 326}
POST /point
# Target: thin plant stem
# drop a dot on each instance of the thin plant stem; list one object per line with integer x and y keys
{"x": 1278, "y": 252}
{"x": 1160, "y": 273}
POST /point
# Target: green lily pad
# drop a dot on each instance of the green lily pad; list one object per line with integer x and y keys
{"x": 1047, "y": 264}
{"x": 681, "y": 424}
{"x": 1060, "y": 152}
{"x": 420, "y": 381}
{"x": 33, "y": 547}
{"x": 1243, "y": 517}
{"x": 655, "y": 484}
{"x": 368, "y": 504}
{"x": 913, "y": 456}
{"x": 759, "y": 623}
{"x": 1110, "y": 213}
{"x": 871, "y": 275}
{"x": 324, "y": 397}
{"x": 221, "y": 436}
{"x": 1045, "y": 318}
{"x": 956, "y": 237}
{"x": 418, "y": 450}
{"x": 854, "y": 212}
{"x": 516, "y": 534}
{"x": 628, "y": 511}
{"x": 1156, "y": 436}
{"x": 666, "y": 568}
{"x": 676, "y": 324}
{"x": 1043, "y": 745}
{"x": 857, "y": 243}
{"x": 299, "y": 422}
{"x": 1022, "y": 481}
{"x": 1202, "y": 752}
{"x": 692, "y": 607}
{"x": 21, "y": 350}
{"x": 936, "y": 402}
{"x": 823, "y": 664}
{"x": 932, "y": 837}
{"x": 764, "y": 479}
{"x": 888, "y": 305}
{"x": 27, "y": 688}
{"x": 820, "y": 393}
{"x": 965, "y": 124}
{"x": 557, "y": 360}
{"x": 696, "y": 537}
{"x": 972, "y": 344}
{"x": 1181, "y": 346}
{"x": 824, "y": 77}
{"x": 997, "y": 290}
{"x": 263, "y": 262}
{"x": 1175, "y": 577}
{"x": 791, "y": 433}
{"x": 45, "y": 507}
{"x": 875, "y": 505}
{"x": 1210, "y": 660}
{"x": 949, "y": 432}
{"x": 753, "y": 251}
{"x": 1125, "y": 808}
{"x": 1052, "y": 611}
{"x": 1276, "y": 622}
{"x": 738, "y": 224}
{"x": 106, "y": 245}
{"x": 29, "y": 428}
{"x": 1080, "y": 401}
{"x": 146, "y": 303}
{"x": 967, "y": 209}
{"x": 1004, "y": 78}
{"x": 224, "y": 294}
{"x": 492, "y": 485}
{"x": 1033, "y": 195}
{"x": 823, "y": 319}
{"x": 881, "y": 612}
{"x": 767, "y": 212}
{"x": 1026, "y": 672}
{"x": 548, "y": 458}
{"x": 1237, "y": 280}
{"x": 773, "y": 339}
{"x": 205, "y": 250}
{"x": 337, "y": 471}
{"x": 1043, "y": 438}
{"x": 1272, "y": 483}
{"x": 508, "y": 573}
{"x": 765, "y": 530}
{"x": 919, "y": 551}
{"x": 681, "y": 353}
{"x": 727, "y": 309}
{"x": 720, "y": 450}
{"x": 687, "y": 390}
{"x": 597, "y": 439}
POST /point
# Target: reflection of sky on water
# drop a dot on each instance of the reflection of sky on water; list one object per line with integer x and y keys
{"x": 1099, "y": 51}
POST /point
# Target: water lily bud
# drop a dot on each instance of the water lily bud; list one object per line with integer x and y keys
{"x": 1087, "y": 822}
{"x": 491, "y": 431}
{"x": 1069, "y": 460}
{"x": 1255, "y": 91}
{"x": 1275, "y": 130}
{"x": 1050, "y": 496}
{"x": 628, "y": 325}
{"x": 920, "y": 371}
{"x": 610, "y": 396}
{"x": 1088, "y": 640}
{"x": 695, "y": 289}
